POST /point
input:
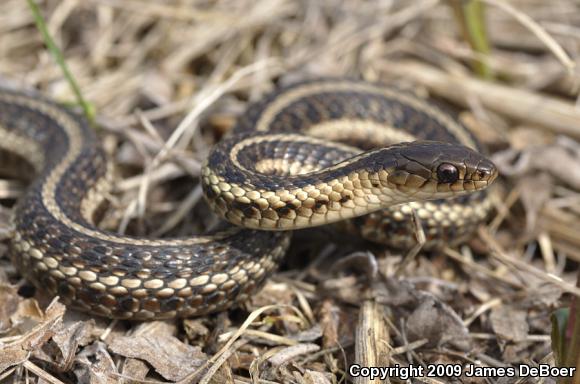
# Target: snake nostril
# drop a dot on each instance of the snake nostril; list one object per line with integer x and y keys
{"x": 484, "y": 174}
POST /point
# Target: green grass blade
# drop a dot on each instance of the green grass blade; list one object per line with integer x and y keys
{"x": 87, "y": 108}
{"x": 470, "y": 16}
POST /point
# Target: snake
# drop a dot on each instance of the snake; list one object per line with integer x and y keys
{"x": 307, "y": 154}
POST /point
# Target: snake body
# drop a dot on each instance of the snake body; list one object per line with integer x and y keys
{"x": 267, "y": 176}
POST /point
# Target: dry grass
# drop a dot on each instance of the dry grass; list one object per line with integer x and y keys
{"x": 168, "y": 78}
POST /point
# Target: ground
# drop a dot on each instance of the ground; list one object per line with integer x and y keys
{"x": 168, "y": 79}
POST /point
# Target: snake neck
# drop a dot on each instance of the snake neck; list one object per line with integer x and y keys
{"x": 281, "y": 181}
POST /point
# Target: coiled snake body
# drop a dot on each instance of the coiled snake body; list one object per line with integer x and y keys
{"x": 266, "y": 176}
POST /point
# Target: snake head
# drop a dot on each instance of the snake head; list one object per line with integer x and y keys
{"x": 432, "y": 170}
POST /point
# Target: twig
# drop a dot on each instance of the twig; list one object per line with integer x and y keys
{"x": 543, "y": 110}
{"x": 537, "y": 30}
{"x": 501, "y": 255}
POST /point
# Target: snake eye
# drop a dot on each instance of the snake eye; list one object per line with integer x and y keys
{"x": 447, "y": 173}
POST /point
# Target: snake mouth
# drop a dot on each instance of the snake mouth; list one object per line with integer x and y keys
{"x": 445, "y": 189}
{"x": 416, "y": 186}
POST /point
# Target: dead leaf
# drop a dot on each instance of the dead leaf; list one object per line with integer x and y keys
{"x": 68, "y": 338}
{"x": 515, "y": 352}
{"x": 135, "y": 369}
{"x": 27, "y": 315}
{"x": 544, "y": 296}
{"x": 9, "y": 299}
{"x": 171, "y": 358}
{"x": 195, "y": 328}
{"x": 438, "y": 323}
{"x": 290, "y": 353}
{"x": 12, "y": 354}
{"x": 156, "y": 328}
{"x": 18, "y": 351}
{"x": 509, "y": 324}
{"x": 94, "y": 365}
{"x": 314, "y": 377}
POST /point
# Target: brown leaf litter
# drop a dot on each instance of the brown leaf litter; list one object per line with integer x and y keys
{"x": 168, "y": 79}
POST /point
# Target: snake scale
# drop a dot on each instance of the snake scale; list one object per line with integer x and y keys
{"x": 293, "y": 160}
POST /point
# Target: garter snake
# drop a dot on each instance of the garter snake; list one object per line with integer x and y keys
{"x": 290, "y": 162}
